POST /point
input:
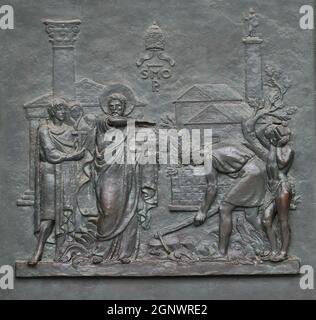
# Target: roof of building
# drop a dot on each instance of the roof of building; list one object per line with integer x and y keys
{"x": 87, "y": 91}
{"x": 217, "y": 113}
{"x": 209, "y": 92}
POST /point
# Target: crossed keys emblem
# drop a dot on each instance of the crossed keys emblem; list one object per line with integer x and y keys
{"x": 155, "y": 65}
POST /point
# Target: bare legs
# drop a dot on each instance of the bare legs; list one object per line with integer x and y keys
{"x": 225, "y": 226}
{"x": 267, "y": 221}
{"x": 281, "y": 207}
{"x": 46, "y": 228}
{"x": 226, "y": 209}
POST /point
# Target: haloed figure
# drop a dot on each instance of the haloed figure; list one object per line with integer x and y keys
{"x": 121, "y": 188}
{"x": 116, "y": 186}
{"x": 56, "y": 145}
{"x": 279, "y": 193}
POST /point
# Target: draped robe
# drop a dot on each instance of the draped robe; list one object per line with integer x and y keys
{"x": 55, "y": 185}
{"x": 119, "y": 196}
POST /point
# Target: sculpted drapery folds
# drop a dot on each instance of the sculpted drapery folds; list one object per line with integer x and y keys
{"x": 240, "y": 163}
{"x": 55, "y": 193}
{"x": 94, "y": 189}
{"x": 117, "y": 188}
{"x": 121, "y": 188}
{"x": 271, "y": 143}
{"x": 124, "y": 193}
{"x": 261, "y": 170}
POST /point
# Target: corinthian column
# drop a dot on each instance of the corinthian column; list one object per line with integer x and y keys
{"x": 63, "y": 35}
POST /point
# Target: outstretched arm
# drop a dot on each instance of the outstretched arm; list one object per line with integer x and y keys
{"x": 117, "y": 121}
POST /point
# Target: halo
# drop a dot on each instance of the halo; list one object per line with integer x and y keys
{"x": 131, "y": 100}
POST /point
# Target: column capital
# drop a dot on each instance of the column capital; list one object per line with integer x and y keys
{"x": 62, "y": 33}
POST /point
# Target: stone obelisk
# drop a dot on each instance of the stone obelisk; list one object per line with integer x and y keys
{"x": 253, "y": 69}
